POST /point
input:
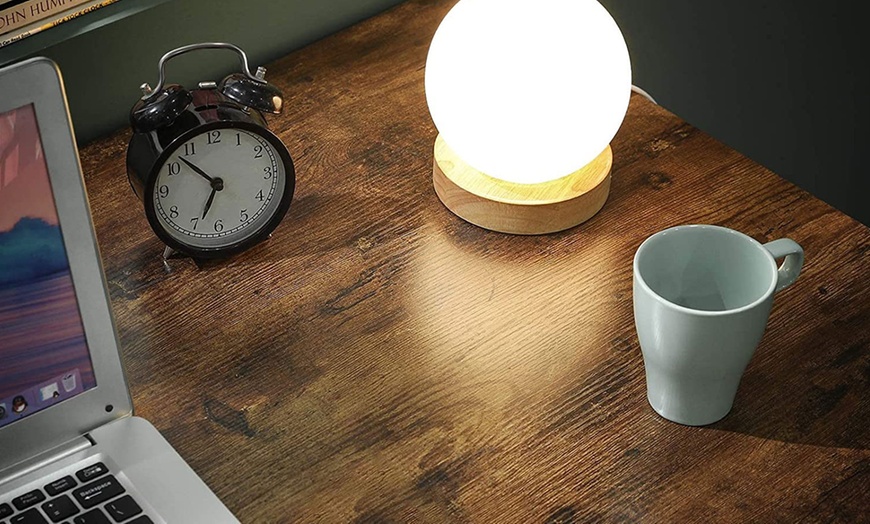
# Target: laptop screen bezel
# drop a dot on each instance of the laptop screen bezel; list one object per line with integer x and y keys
{"x": 38, "y": 82}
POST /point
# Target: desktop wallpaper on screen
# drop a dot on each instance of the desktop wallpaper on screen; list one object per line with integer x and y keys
{"x": 43, "y": 355}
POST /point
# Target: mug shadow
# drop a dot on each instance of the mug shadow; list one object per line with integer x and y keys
{"x": 824, "y": 402}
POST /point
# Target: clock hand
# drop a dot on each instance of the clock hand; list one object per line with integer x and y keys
{"x": 217, "y": 184}
{"x": 196, "y": 169}
{"x": 209, "y": 201}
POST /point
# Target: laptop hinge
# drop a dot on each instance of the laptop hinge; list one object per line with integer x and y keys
{"x": 45, "y": 458}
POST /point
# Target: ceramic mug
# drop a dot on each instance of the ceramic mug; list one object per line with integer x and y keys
{"x": 702, "y": 296}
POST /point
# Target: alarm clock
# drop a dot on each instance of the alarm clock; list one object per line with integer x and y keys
{"x": 213, "y": 179}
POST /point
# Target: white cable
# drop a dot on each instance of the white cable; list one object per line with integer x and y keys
{"x": 643, "y": 93}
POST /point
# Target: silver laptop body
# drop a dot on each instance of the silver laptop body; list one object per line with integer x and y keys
{"x": 68, "y": 439}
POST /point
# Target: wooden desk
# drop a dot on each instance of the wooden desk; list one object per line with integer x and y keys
{"x": 380, "y": 360}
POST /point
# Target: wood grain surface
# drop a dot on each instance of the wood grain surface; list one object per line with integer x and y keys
{"x": 380, "y": 360}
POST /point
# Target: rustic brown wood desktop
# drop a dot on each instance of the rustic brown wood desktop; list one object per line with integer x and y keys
{"x": 381, "y": 360}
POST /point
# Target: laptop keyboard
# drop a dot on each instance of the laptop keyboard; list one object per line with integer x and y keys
{"x": 93, "y": 496}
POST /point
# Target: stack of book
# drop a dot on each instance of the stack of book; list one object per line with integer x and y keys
{"x": 22, "y": 18}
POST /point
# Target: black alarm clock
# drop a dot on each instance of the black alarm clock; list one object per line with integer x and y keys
{"x": 213, "y": 179}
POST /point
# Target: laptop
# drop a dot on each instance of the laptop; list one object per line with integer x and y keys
{"x": 71, "y": 450}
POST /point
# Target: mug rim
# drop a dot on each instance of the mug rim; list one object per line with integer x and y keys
{"x": 701, "y": 312}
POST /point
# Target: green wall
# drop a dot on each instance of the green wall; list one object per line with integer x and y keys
{"x": 103, "y": 67}
{"x": 780, "y": 81}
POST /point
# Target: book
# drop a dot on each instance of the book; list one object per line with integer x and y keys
{"x": 19, "y": 13}
{"x": 83, "y": 8}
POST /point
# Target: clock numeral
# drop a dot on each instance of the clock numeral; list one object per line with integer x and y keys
{"x": 218, "y": 225}
{"x": 260, "y": 196}
{"x": 238, "y": 139}
{"x": 189, "y": 149}
{"x": 258, "y": 151}
{"x": 243, "y": 215}
{"x": 268, "y": 171}
{"x": 164, "y": 191}
{"x": 214, "y": 137}
{"x": 174, "y": 168}
{"x": 194, "y": 221}
{"x": 173, "y": 212}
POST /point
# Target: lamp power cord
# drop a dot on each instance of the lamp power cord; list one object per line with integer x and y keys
{"x": 643, "y": 93}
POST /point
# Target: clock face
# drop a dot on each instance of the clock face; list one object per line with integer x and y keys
{"x": 222, "y": 188}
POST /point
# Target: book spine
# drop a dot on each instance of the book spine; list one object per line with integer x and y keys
{"x": 18, "y": 14}
{"x": 59, "y": 18}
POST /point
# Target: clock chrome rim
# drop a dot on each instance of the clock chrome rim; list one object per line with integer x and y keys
{"x": 249, "y": 241}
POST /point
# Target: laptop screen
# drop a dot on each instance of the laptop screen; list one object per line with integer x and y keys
{"x": 44, "y": 358}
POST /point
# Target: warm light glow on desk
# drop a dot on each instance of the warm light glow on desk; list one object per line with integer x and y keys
{"x": 527, "y": 92}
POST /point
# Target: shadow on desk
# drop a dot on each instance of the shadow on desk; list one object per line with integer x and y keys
{"x": 819, "y": 401}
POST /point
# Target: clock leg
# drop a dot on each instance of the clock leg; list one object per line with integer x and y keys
{"x": 167, "y": 253}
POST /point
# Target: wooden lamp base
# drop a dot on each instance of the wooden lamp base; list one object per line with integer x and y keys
{"x": 521, "y": 209}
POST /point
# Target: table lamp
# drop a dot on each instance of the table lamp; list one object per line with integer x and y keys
{"x": 526, "y": 96}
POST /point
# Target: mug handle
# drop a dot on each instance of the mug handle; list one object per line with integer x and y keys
{"x": 791, "y": 266}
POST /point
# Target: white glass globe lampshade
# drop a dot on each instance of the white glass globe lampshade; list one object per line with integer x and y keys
{"x": 528, "y": 91}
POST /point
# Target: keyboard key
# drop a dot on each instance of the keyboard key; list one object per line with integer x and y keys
{"x": 5, "y": 510}
{"x": 123, "y": 508}
{"x": 31, "y": 516}
{"x": 142, "y": 520}
{"x": 59, "y": 486}
{"x": 91, "y": 472}
{"x": 95, "y": 516}
{"x": 60, "y": 508}
{"x": 98, "y": 491}
{"x": 28, "y": 499}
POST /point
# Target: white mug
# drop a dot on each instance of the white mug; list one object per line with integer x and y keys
{"x": 702, "y": 296}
